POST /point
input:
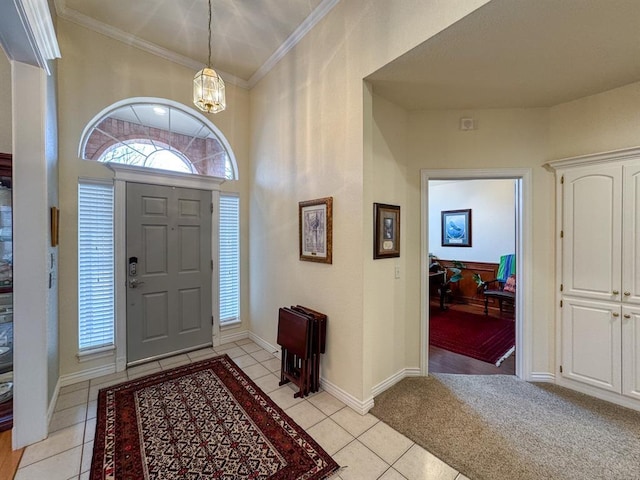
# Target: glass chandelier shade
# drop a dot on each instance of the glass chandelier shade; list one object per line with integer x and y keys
{"x": 208, "y": 86}
{"x": 208, "y": 91}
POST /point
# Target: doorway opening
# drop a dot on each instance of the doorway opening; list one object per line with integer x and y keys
{"x": 475, "y": 229}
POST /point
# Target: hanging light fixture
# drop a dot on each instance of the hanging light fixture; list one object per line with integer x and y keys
{"x": 208, "y": 87}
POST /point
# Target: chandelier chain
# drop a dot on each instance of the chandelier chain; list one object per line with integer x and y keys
{"x": 209, "y": 62}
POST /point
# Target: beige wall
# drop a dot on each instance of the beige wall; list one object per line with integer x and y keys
{"x": 5, "y": 104}
{"x": 318, "y": 131}
{"x": 599, "y": 123}
{"x": 307, "y": 142}
{"x": 505, "y": 138}
{"x": 94, "y": 72}
{"x": 386, "y": 311}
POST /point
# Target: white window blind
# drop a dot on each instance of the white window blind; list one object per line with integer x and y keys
{"x": 229, "y": 258}
{"x": 96, "y": 265}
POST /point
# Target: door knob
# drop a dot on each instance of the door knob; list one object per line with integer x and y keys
{"x": 134, "y": 283}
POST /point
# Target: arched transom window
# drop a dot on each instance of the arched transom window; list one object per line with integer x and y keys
{"x": 158, "y": 133}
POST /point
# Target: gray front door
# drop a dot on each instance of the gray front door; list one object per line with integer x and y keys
{"x": 168, "y": 270}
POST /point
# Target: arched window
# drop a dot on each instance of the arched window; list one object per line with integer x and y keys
{"x": 158, "y": 133}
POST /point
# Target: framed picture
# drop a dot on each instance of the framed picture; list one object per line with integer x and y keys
{"x": 386, "y": 231}
{"x": 456, "y": 228}
{"x": 315, "y": 221}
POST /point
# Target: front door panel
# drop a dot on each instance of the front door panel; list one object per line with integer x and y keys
{"x": 169, "y": 290}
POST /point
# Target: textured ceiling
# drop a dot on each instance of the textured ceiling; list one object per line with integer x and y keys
{"x": 516, "y": 53}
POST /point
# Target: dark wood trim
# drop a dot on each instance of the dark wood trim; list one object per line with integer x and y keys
{"x": 466, "y": 290}
{"x": 6, "y": 415}
{"x": 6, "y": 170}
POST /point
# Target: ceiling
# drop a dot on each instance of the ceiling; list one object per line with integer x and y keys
{"x": 506, "y": 54}
{"x": 517, "y": 53}
{"x": 248, "y": 36}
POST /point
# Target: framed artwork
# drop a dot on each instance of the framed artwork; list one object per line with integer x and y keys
{"x": 386, "y": 231}
{"x": 456, "y": 228}
{"x": 315, "y": 221}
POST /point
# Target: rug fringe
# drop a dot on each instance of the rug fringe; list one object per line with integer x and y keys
{"x": 505, "y": 356}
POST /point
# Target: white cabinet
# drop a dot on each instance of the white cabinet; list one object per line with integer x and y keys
{"x": 599, "y": 263}
{"x": 592, "y": 343}
{"x": 631, "y": 351}
{"x": 592, "y": 226}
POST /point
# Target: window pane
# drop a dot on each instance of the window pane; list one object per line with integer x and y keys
{"x": 95, "y": 265}
{"x": 132, "y": 130}
{"x": 229, "y": 258}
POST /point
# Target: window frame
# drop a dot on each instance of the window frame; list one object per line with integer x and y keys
{"x": 231, "y": 166}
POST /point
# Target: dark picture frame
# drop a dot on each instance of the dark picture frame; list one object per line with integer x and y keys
{"x": 315, "y": 224}
{"x": 456, "y": 228}
{"x": 386, "y": 231}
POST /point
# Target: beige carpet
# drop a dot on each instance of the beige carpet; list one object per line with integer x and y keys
{"x": 498, "y": 427}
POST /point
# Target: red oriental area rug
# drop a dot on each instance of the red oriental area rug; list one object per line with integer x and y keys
{"x": 203, "y": 420}
{"x": 478, "y": 336}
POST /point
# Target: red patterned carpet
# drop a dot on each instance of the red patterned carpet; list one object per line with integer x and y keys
{"x": 482, "y": 337}
{"x": 203, "y": 420}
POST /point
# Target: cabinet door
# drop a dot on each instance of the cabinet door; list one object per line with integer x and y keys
{"x": 631, "y": 234}
{"x": 591, "y": 343}
{"x": 631, "y": 351}
{"x": 592, "y": 243}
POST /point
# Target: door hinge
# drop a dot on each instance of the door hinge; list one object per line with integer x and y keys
{"x": 211, "y": 319}
{"x": 560, "y": 368}
{"x": 562, "y": 180}
{"x": 211, "y": 264}
{"x": 561, "y": 233}
{"x": 561, "y": 287}
{"x": 212, "y": 207}
{"x": 560, "y": 303}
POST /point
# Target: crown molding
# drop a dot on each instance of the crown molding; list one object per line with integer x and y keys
{"x": 39, "y": 16}
{"x": 27, "y": 34}
{"x": 85, "y": 21}
{"x": 311, "y": 21}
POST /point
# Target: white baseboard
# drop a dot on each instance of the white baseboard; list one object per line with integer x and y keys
{"x": 541, "y": 377}
{"x": 233, "y": 337}
{"x": 52, "y": 403}
{"x": 362, "y": 407}
{"x": 596, "y": 392}
{"x": 264, "y": 344}
{"x": 393, "y": 379}
{"x": 90, "y": 374}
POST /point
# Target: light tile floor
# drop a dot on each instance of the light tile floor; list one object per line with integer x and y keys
{"x": 365, "y": 447}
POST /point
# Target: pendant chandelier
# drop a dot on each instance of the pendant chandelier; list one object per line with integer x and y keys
{"x": 208, "y": 87}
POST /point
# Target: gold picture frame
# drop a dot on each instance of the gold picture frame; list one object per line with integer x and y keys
{"x": 315, "y": 225}
{"x": 55, "y": 226}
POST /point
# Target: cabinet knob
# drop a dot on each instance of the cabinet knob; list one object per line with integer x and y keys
{"x": 627, "y": 294}
{"x": 616, "y": 314}
{"x": 615, "y": 292}
{"x": 626, "y": 315}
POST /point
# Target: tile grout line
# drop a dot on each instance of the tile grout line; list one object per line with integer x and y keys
{"x": 84, "y": 430}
